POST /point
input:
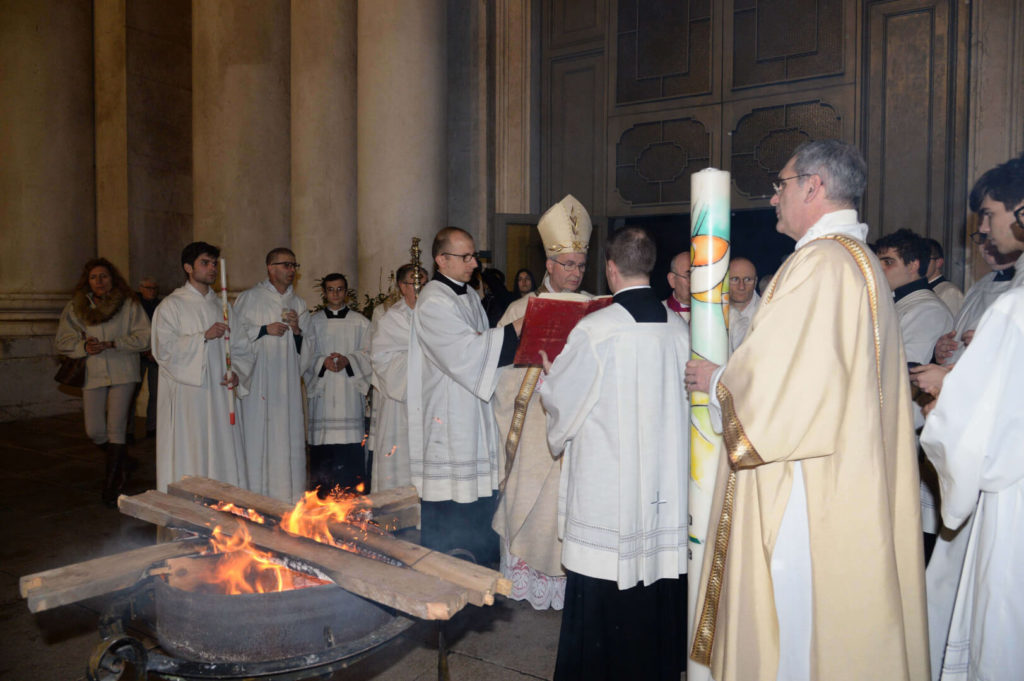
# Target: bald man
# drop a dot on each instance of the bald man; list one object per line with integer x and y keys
{"x": 743, "y": 300}
{"x": 679, "y": 280}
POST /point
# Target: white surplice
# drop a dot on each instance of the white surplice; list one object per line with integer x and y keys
{"x": 978, "y": 299}
{"x": 337, "y": 400}
{"x": 739, "y": 322}
{"x": 923, "y": 318}
{"x": 616, "y": 410}
{"x": 389, "y": 355}
{"x": 975, "y": 439}
{"x": 275, "y": 447}
{"x": 194, "y": 435}
{"x": 453, "y": 371}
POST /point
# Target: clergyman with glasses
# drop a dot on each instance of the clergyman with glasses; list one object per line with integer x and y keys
{"x": 277, "y": 323}
{"x": 743, "y": 299}
{"x": 455, "y": 361}
{"x": 527, "y": 514}
{"x": 815, "y": 569}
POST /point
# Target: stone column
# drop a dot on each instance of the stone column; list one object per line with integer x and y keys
{"x": 241, "y": 139}
{"x": 402, "y": 185}
{"x": 111, "y": 75}
{"x": 47, "y": 190}
{"x": 323, "y": 142}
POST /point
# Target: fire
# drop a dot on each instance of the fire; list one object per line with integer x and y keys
{"x": 244, "y": 569}
{"x": 247, "y": 513}
{"x": 312, "y": 515}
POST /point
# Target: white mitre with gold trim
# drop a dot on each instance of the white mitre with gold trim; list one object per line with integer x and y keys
{"x": 565, "y": 227}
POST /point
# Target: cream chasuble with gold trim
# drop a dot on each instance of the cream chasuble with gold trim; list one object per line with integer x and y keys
{"x": 820, "y": 383}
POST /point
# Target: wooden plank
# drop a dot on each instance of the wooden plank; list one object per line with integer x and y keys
{"x": 78, "y": 581}
{"x": 482, "y": 583}
{"x": 411, "y": 592}
{"x": 396, "y": 509}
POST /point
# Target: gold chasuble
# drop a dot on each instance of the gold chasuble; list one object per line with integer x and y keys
{"x": 821, "y": 380}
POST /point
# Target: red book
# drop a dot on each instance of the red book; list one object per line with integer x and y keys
{"x": 549, "y": 319}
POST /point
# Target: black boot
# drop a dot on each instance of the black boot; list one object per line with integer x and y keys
{"x": 117, "y": 457}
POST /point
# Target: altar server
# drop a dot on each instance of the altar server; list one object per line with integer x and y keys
{"x": 277, "y": 324}
{"x": 337, "y": 382}
{"x": 614, "y": 397}
{"x": 194, "y": 435}
{"x": 454, "y": 361}
{"x": 390, "y": 359}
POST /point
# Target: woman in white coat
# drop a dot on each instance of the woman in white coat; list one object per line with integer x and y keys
{"x": 106, "y": 324}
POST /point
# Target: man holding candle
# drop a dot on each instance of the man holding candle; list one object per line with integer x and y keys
{"x": 815, "y": 523}
{"x": 194, "y": 432}
{"x": 276, "y": 322}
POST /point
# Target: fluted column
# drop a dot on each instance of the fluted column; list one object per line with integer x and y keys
{"x": 402, "y": 169}
{"x": 241, "y": 139}
{"x": 323, "y": 127}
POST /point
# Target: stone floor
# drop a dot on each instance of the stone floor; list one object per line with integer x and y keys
{"x": 51, "y": 515}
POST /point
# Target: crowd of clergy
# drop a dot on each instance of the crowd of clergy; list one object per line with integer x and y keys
{"x": 871, "y": 532}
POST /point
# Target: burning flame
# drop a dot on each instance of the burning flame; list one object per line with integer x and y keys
{"x": 247, "y": 513}
{"x": 312, "y": 515}
{"x": 244, "y": 569}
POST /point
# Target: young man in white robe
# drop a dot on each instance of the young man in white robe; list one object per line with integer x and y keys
{"x": 194, "y": 433}
{"x": 616, "y": 408}
{"x": 743, "y": 300}
{"x": 527, "y": 514}
{"x": 975, "y": 439}
{"x": 937, "y": 282}
{"x": 389, "y": 356}
{"x": 979, "y": 298}
{"x": 277, "y": 324}
{"x": 454, "y": 365}
{"x": 970, "y": 651}
{"x": 336, "y": 385}
{"x": 924, "y": 319}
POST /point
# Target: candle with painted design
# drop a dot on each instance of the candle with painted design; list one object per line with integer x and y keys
{"x": 709, "y": 339}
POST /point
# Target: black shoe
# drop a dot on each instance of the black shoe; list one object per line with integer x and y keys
{"x": 116, "y": 475}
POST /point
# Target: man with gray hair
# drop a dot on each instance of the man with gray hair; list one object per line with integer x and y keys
{"x": 815, "y": 517}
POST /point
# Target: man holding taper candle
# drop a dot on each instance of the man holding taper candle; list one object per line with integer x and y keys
{"x": 277, "y": 323}
{"x": 815, "y": 524}
{"x": 194, "y": 433}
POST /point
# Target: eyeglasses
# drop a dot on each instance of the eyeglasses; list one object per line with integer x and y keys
{"x": 978, "y": 238}
{"x": 571, "y": 266}
{"x": 336, "y": 289}
{"x": 684, "y": 275}
{"x": 288, "y": 265}
{"x": 407, "y": 283}
{"x": 466, "y": 257}
{"x": 777, "y": 186}
{"x": 746, "y": 280}
{"x": 1018, "y": 215}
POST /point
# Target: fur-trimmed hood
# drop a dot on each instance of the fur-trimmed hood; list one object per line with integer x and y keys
{"x": 92, "y": 311}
